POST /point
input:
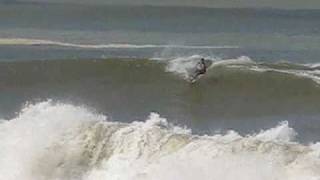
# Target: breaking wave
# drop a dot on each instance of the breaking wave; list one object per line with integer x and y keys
{"x": 51, "y": 140}
{"x": 33, "y": 42}
{"x": 184, "y": 66}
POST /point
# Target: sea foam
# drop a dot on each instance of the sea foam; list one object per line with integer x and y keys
{"x": 184, "y": 66}
{"x": 51, "y": 140}
{"x": 31, "y": 42}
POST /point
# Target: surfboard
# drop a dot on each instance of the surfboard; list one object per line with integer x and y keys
{"x": 195, "y": 79}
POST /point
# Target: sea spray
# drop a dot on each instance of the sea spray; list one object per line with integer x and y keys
{"x": 51, "y": 140}
{"x": 184, "y": 66}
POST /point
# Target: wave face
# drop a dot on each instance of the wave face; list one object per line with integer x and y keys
{"x": 232, "y": 89}
{"x": 184, "y": 65}
{"x": 51, "y": 140}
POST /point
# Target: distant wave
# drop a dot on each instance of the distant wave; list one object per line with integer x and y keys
{"x": 33, "y": 42}
{"x": 69, "y": 142}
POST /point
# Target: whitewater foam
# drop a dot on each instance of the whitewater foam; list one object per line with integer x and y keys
{"x": 304, "y": 72}
{"x": 23, "y": 41}
{"x": 59, "y": 141}
{"x": 184, "y": 66}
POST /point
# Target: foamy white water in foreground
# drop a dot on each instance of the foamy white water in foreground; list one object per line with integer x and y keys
{"x": 52, "y": 141}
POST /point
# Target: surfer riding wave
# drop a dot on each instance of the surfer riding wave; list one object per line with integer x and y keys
{"x": 201, "y": 69}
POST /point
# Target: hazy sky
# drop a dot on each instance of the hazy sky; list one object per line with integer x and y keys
{"x": 288, "y": 4}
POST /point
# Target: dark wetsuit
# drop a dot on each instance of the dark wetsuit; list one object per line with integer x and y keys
{"x": 201, "y": 68}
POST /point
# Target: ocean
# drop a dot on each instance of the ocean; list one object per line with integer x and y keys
{"x": 94, "y": 92}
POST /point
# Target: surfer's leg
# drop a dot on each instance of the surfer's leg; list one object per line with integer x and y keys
{"x": 195, "y": 77}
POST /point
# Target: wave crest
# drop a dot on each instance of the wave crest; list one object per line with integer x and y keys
{"x": 32, "y": 42}
{"x": 70, "y": 142}
{"x": 184, "y": 66}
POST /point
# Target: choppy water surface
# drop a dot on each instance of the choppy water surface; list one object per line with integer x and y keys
{"x": 103, "y": 92}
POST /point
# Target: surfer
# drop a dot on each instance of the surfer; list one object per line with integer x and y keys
{"x": 201, "y": 69}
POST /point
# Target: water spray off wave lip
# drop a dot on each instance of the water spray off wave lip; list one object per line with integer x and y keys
{"x": 69, "y": 142}
{"x": 30, "y": 42}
